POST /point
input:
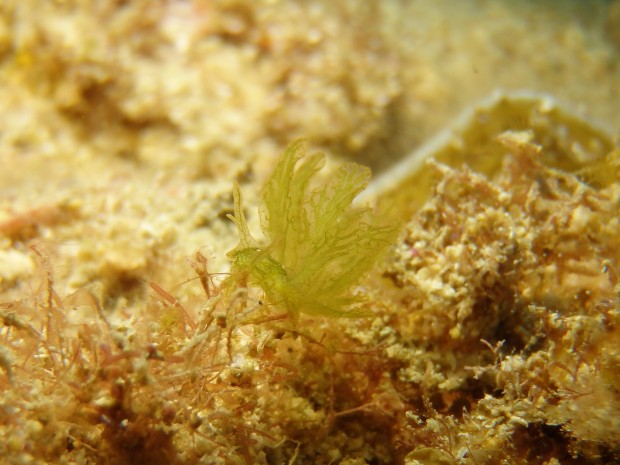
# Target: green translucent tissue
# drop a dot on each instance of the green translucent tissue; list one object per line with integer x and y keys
{"x": 318, "y": 244}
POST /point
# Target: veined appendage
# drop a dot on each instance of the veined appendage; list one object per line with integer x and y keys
{"x": 319, "y": 244}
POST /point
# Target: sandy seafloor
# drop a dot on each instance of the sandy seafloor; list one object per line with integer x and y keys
{"x": 496, "y": 330}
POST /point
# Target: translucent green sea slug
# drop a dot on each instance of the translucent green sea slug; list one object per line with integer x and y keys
{"x": 318, "y": 244}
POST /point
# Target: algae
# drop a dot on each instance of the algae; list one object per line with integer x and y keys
{"x": 493, "y": 336}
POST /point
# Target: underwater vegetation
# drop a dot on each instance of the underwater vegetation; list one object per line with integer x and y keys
{"x": 494, "y": 340}
{"x": 319, "y": 244}
{"x": 492, "y": 328}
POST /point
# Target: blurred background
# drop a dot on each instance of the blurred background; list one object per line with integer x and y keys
{"x": 196, "y": 86}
